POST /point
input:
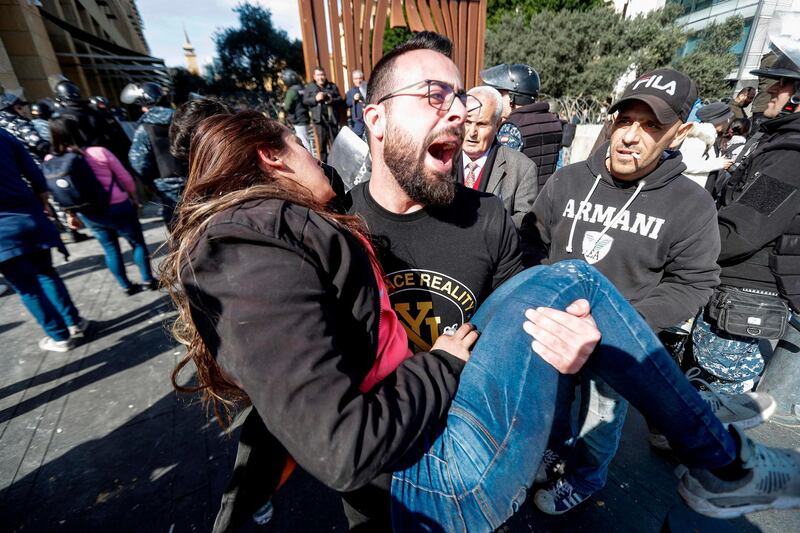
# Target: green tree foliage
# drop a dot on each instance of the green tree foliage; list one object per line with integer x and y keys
{"x": 711, "y": 61}
{"x": 393, "y": 37}
{"x": 584, "y": 53}
{"x": 256, "y": 50}
{"x": 496, "y": 9}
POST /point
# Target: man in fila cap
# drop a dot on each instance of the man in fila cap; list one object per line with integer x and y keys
{"x": 629, "y": 211}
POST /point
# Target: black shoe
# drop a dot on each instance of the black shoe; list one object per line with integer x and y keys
{"x": 133, "y": 289}
{"x": 153, "y": 284}
{"x": 77, "y": 236}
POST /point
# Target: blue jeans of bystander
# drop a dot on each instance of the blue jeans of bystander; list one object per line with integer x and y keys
{"x": 120, "y": 220}
{"x": 42, "y": 292}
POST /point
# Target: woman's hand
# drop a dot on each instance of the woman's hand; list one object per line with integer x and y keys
{"x": 565, "y": 339}
{"x": 459, "y": 343}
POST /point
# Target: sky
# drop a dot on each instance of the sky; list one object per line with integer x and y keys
{"x": 164, "y": 21}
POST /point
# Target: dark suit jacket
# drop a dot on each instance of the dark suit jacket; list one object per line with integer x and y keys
{"x": 512, "y": 177}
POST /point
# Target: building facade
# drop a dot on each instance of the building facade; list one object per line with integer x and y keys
{"x": 753, "y": 43}
{"x": 98, "y": 44}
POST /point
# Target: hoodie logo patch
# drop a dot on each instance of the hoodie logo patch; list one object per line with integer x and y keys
{"x": 595, "y": 250}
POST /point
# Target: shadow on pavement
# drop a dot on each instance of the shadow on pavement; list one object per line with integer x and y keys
{"x": 118, "y": 358}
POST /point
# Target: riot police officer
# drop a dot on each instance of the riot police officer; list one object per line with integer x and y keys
{"x": 529, "y": 126}
{"x": 759, "y": 224}
{"x": 149, "y": 154}
{"x": 14, "y": 118}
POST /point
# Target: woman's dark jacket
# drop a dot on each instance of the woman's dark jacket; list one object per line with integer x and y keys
{"x": 288, "y": 304}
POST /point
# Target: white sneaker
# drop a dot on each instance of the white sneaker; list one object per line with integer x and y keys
{"x": 772, "y": 482}
{"x": 558, "y": 498}
{"x": 80, "y": 328}
{"x": 49, "y": 344}
{"x": 746, "y": 410}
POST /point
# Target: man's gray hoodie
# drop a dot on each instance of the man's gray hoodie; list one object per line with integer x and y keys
{"x": 656, "y": 238}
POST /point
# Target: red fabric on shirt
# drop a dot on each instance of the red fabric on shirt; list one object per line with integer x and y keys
{"x": 392, "y": 339}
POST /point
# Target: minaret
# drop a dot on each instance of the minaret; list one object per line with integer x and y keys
{"x": 191, "y": 57}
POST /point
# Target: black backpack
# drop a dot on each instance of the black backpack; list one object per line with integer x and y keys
{"x": 73, "y": 184}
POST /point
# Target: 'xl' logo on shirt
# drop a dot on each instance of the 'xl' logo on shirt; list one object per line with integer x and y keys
{"x": 426, "y": 302}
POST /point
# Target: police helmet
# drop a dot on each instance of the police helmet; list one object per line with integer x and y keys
{"x": 521, "y": 81}
{"x": 144, "y": 94}
{"x": 42, "y": 109}
{"x": 290, "y": 77}
{"x": 99, "y": 102}
{"x": 66, "y": 90}
{"x": 9, "y": 100}
{"x": 784, "y": 33}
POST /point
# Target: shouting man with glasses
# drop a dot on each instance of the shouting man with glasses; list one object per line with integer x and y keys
{"x": 443, "y": 247}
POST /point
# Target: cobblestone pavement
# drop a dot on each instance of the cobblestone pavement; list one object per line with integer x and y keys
{"x": 95, "y": 439}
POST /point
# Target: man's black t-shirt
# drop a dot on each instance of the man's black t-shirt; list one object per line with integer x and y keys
{"x": 441, "y": 263}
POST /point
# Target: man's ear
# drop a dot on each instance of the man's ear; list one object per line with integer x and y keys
{"x": 269, "y": 160}
{"x": 680, "y": 135}
{"x": 375, "y": 119}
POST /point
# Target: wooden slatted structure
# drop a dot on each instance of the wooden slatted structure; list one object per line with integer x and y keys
{"x": 345, "y": 35}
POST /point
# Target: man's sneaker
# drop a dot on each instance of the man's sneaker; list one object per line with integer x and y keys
{"x": 80, "y": 328}
{"x": 746, "y": 410}
{"x": 552, "y": 467}
{"x": 772, "y": 482}
{"x": 558, "y": 498}
{"x": 49, "y": 344}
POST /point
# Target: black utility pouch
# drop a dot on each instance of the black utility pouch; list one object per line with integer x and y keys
{"x": 748, "y": 312}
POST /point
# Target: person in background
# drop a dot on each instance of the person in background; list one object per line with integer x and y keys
{"x": 701, "y": 147}
{"x": 323, "y": 99}
{"x": 185, "y": 121}
{"x": 488, "y": 166}
{"x": 736, "y": 137}
{"x": 149, "y": 154}
{"x": 120, "y": 218}
{"x": 41, "y": 112}
{"x": 743, "y": 99}
{"x": 26, "y": 238}
{"x": 294, "y": 108}
{"x": 355, "y": 100}
{"x": 528, "y": 126}
{"x": 15, "y": 119}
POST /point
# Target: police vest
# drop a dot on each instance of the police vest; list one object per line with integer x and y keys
{"x": 535, "y": 132}
{"x": 168, "y": 165}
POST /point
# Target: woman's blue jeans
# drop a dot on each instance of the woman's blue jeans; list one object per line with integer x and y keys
{"x": 474, "y": 471}
{"x": 120, "y": 220}
{"x": 42, "y": 292}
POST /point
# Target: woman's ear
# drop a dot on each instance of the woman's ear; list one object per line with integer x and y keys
{"x": 269, "y": 160}
{"x": 375, "y": 119}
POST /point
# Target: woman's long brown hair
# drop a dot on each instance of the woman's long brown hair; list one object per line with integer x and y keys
{"x": 224, "y": 172}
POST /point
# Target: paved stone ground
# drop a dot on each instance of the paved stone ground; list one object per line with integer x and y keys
{"x": 95, "y": 439}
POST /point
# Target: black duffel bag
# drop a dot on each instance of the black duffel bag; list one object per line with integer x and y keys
{"x": 748, "y": 312}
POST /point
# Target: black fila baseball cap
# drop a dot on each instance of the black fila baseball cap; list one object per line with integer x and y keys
{"x": 669, "y": 93}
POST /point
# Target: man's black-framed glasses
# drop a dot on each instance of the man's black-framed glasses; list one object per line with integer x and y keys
{"x": 440, "y": 94}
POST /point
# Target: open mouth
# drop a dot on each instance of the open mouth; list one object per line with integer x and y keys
{"x": 442, "y": 152}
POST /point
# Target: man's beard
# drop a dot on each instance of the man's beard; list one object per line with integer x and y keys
{"x": 422, "y": 185}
